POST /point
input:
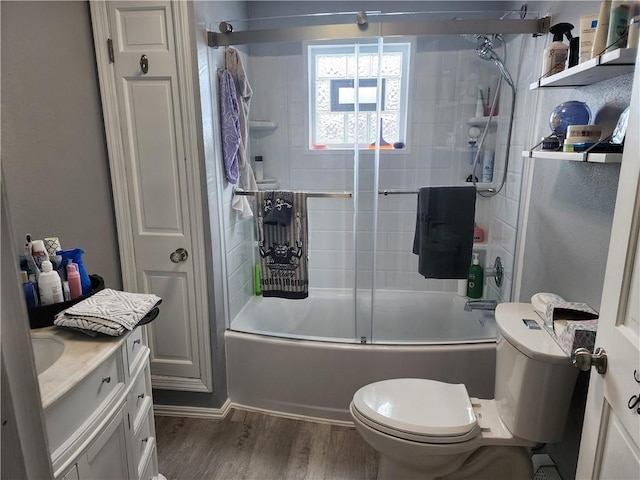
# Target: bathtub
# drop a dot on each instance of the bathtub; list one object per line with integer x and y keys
{"x": 300, "y": 357}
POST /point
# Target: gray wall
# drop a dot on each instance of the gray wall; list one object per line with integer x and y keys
{"x": 54, "y": 156}
{"x": 570, "y": 216}
{"x": 572, "y": 203}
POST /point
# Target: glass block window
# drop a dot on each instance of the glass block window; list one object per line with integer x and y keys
{"x": 332, "y": 108}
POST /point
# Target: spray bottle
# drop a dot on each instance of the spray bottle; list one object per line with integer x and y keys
{"x": 555, "y": 55}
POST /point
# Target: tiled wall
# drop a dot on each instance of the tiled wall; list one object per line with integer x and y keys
{"x": 442, "y": 97}
{"x": 522, "y": 61}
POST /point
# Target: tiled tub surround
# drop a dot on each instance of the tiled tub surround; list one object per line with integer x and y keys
{"x": 442, "y": 91}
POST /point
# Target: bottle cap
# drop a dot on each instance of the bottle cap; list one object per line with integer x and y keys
{"x": 71, "y": 268}
{"x": 476, "y": 260}
{"x": 47, "y": 266}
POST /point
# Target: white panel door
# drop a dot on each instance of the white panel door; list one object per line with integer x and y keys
{"x": 610, "y": 447}
{"x": 155, "y": 161}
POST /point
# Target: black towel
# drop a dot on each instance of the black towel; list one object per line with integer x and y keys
{"x": 277, "y": 207}
{"x": 444, "y": 231}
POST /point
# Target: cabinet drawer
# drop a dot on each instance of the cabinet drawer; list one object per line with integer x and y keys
{"x": 135, "y": 348}
{"x": 151, "y": 467}
{"x": 140, "y": 394}
{"x": 65, "y": 419}
{"x": 144, "y": 440}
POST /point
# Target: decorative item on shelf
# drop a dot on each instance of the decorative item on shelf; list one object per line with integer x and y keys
{"x": 383, "y": 144}
{"x": 568, "y": 113}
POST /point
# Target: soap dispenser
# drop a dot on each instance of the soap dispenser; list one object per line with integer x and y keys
{"x": 476, "y": 279}
{"x": 555, "y": 55}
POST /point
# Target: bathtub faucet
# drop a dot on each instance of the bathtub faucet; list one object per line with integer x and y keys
{"x": 471, "y": 305}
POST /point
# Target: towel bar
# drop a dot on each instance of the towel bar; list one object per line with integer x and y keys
{"x": 415, "y": 192}
{"x": 251, "y": 193}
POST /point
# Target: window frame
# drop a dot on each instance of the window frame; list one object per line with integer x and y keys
{"x": 404, "y": 46}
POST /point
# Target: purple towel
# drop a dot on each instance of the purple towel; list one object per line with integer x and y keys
{"x": 230, "y": 120}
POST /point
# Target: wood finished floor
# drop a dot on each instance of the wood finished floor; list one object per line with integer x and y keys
{"x": 254, "y": 446}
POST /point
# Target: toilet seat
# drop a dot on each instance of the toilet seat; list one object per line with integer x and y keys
{"x": 418, "y": 410}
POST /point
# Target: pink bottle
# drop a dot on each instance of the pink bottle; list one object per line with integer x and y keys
{"x": 478, "y": 234}
{"x": 73, "y": 277}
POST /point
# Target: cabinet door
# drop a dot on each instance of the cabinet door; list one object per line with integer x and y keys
{"x": 161, "y": 205}
{"x": 107, "y": 456}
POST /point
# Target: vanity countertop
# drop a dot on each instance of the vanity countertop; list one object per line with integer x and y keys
{"x": 82, "y": 354}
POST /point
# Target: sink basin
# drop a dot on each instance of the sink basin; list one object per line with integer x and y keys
{"x": 46, "y": 350}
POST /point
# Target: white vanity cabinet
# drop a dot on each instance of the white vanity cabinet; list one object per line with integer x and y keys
{"x": 98, "y": 409}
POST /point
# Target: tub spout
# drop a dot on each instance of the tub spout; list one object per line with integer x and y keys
{"x": 471, "y": 305}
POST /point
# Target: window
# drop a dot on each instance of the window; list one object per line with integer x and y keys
{"x": 332, "y": 112}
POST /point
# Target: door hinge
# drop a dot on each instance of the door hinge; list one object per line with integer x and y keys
{"x": 129, "y": 421}
{"x": 110, "y": 48}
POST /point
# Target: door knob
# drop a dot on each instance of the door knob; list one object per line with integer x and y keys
{"x": 584, "y": 360}
{"x": 180, "y": 255}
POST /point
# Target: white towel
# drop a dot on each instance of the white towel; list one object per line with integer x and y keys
{"x": 108, "y": 311}
{"x": 233, "y": 63}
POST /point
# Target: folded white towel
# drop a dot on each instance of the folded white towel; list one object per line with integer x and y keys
{"x": 108, "y": 311}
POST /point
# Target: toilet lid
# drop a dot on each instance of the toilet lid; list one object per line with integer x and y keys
{"x": 418, "y": 407}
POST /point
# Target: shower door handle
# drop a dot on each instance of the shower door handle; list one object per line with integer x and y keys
{"x": 180, "y": 255}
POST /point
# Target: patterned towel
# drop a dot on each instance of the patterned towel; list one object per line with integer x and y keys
{"x": 109, "y": 311}
{"x": 283, "y": 240}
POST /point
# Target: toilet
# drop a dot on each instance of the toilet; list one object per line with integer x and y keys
{"x": 426, "y": 429}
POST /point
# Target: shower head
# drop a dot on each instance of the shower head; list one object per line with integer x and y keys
{"x": 487, "y": 53}
{"x": 479, "y": 39}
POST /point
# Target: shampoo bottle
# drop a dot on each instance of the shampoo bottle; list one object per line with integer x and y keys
{"x": 618, "y": 25}
{"x": 29, "y": 290}
{"x": 476, "y": 279}
{"x": 73, "y": 277}
{"x": 555, "y": 55}
{"x": 50, "y": 285}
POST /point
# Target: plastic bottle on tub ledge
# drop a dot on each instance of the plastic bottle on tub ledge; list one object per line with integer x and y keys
{"x": 476, "y": 279}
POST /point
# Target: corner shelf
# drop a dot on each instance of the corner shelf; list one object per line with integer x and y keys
{"x": 603, "y": 67}
{"x": 481, "y": 121}
{"x": 575, "y": 156}
{"x": 262, "y": 125}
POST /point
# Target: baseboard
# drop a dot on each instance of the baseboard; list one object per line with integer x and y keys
{"x": 292, "y": 416}
{"x": 195, "y": 412}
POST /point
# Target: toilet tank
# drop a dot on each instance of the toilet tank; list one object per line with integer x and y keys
{"x": 534, "y": 377}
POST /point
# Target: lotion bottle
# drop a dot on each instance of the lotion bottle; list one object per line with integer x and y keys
{"x": 50, "y": 285}
{"x": 602, "y": 29}
{"x": 555, "y": 55}
{"x": 476, "y": 278}
{"x": 73, "y": 277}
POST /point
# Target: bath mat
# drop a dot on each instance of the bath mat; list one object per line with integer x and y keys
{"x": 283, "y": 243}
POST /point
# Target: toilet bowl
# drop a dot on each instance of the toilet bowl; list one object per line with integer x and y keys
{"x": 429, "y": 429}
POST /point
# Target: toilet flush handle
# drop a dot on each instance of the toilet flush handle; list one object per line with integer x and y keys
{"x": 583, "y": 359}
